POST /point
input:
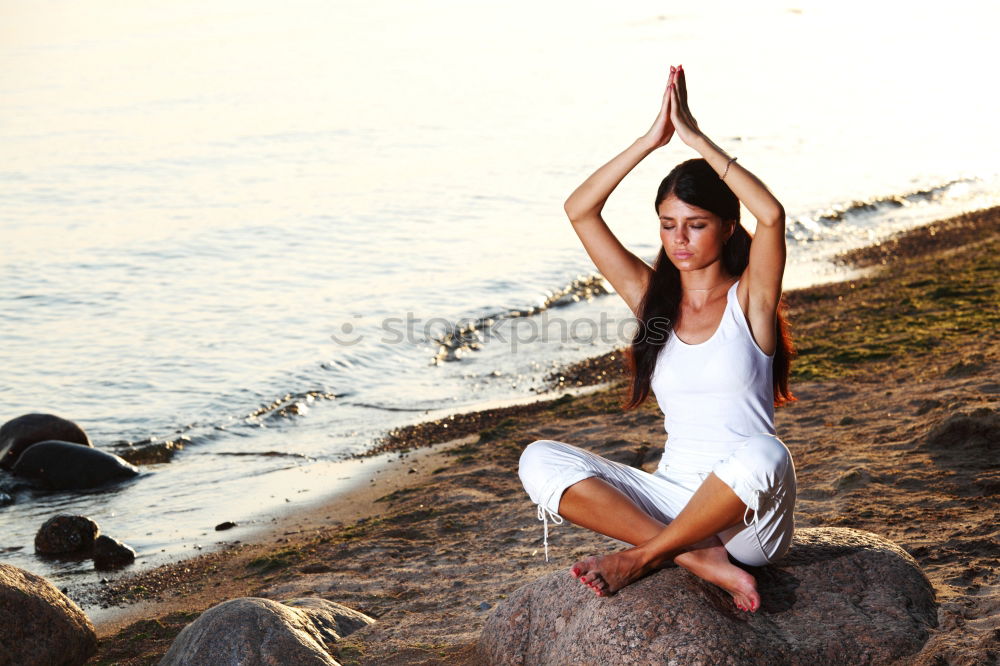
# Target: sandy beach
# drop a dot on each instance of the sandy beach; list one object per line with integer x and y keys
{"x": 895, "y": 431}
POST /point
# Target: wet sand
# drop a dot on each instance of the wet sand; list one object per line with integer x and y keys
{"x": 895, "y": 431}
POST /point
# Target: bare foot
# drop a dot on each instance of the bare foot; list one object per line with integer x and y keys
{"x": 712, "y": 564}
{"x": 607, "y": 574}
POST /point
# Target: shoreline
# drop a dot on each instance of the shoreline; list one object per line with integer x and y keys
{"x": 470, "y": 472}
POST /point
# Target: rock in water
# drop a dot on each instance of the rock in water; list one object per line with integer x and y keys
{"x": 40, "y": 624}
{"x": 839, "y": 596}
{"x": 18, "y": 434}
{"x": 251, "y": 631}
{"x": 66, "y": 534}
{"x": 110, "y": 553}
{"x": 67, "y": 466}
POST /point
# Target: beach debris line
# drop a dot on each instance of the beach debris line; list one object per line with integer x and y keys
{"x": 251, "y": 631}
{"x": 41, "y": 624}
{"x": 840, "y": 596}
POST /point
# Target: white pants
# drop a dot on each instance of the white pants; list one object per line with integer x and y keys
{"x": 760, "y": 472}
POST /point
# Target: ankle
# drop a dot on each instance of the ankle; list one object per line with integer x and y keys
{"x": 650, "y": 558}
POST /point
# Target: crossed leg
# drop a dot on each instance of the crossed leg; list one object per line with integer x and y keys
{"x": 689, "y": 540}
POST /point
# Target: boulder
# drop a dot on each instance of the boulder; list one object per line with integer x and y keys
{"x": 40, "y": 624}
{"x": 110, "y": 553}
{"x": 18, "y": 434}
{"x": 66, "y": 466}
{"x": 66, "y": 534}
{"x": 333, "y": 620}
{"x": 251, "y": 631}
{"x": 839, "y": 596}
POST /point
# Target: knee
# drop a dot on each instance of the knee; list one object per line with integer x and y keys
{"x": 766, "y": 453}
{"x": 534, "y": 458}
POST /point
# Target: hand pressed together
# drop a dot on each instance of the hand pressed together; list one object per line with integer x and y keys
{"x": 675, "y": 115}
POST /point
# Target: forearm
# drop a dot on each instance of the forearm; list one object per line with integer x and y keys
{"x": 589, "y": 198}
{"x": 749, "y": 189}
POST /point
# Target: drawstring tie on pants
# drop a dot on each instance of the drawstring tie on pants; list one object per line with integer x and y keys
{"x": 756, "y": 501}
{"x": 543, "y": 515}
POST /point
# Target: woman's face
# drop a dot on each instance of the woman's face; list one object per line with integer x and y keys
{"x": 692, "y": 237}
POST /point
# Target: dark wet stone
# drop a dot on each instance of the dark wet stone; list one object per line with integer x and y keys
{"x": 66, "y": 534}
{"x": 110, "y": 553}
{"x": 18, "y": 434}
{"x": 6, "y": 499}
{"x": 840, "y": 596}
{"x": 228, "y": 525}
{"x": 67, "y": 466}
{"x": 251, "y": 631}
{"x": 41, "y": 625}
{"x": 152, "y": 453}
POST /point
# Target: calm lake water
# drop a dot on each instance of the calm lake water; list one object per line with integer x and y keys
{"x": 251, "y": 225}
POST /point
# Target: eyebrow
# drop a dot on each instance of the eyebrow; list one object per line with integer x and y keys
{"x": 692, "y": 217}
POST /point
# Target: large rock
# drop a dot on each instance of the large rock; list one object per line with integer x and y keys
{"x": 39, "y": 624}
{"x": 65, "y": 534}
{"x": 333, "y": 620}
{"x": 251, "y": 631}
{"x": 67, "y": 466}
{"x": 18, "y": 434}
{"x": 839, "y": 596}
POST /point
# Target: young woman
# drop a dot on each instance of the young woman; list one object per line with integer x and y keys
{"x": 711, "y": 346}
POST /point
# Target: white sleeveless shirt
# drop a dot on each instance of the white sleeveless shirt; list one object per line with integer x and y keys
{"x": 714, "y": 395}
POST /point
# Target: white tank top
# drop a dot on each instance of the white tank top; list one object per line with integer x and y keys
{"x": 714, "y": 395}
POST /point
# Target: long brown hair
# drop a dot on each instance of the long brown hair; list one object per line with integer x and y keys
{"x": 695, "y": 183}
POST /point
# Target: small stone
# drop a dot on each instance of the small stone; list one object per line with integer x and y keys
{"x": 228, "y": 525}
{"x": 66, "y": 534}
{"x": 484, "y": 606}
{"x": 110, "y": 553}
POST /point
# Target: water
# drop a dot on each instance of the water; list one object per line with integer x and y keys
{"x": 211, "y": 209}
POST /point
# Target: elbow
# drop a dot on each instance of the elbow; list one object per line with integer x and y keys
{"x": 572, "y": 211}
{"x": 577, "y": 213}
{"x": 773, "y": 218}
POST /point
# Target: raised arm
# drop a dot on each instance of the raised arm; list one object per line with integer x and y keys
{"x": 761, "y": 282}
{"x": 627, "y": 273}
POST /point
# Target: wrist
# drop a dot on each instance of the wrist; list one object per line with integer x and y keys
{"x": 645, "y": 144}
{"x": 700, "y": 142}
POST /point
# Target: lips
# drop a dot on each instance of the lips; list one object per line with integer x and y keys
{"x": 683, "y": 255}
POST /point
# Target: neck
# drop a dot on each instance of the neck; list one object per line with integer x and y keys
{"x": 706, "y": 279}
{"x": 705, "y": 285}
